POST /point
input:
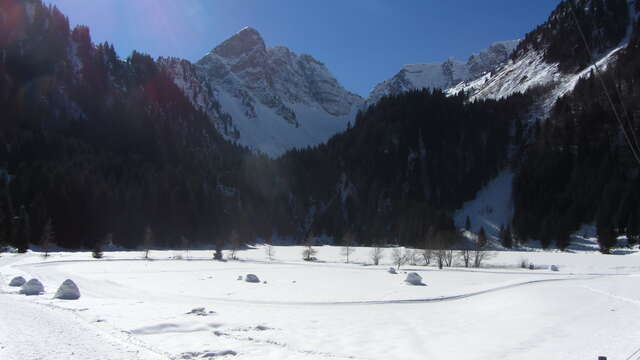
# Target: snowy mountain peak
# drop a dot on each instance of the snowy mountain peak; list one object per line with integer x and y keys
{"x": 243, "y": 42}
{"x": 267, "y": 98}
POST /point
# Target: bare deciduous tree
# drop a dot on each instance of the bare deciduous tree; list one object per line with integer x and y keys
{"x": 448, "y": 257}
{"x": 413, "y": 257}
{"x": 186, "y": 245}
{"x": 148, "y": 241}
{"x": 399, "y": 258}
{"x": 269, "y": 251}
{"x": 427, "y": 255}
{"x": 376, "y": 254}
{"x": 347, "y": 245}
{"x": 234, "y": 242}
{"x": 308, "y": 254}
{"x": 479, "y": 252}
{"x": 47, "y": 238}
{"x": 465, "y": 255}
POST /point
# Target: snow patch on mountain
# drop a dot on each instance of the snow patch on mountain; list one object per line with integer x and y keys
{"x": 492, "y": 207}
{"x": 444, "y": 75}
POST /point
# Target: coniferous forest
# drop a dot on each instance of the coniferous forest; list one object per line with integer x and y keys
{"x": 100, "y": 147}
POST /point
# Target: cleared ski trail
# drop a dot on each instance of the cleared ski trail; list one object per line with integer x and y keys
{"x": 33, "y": 331}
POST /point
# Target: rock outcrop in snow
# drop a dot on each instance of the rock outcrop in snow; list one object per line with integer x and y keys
{"x": 32, "y": 287}
{"x": 17, "y": 281}
{"x": 446, "y": 74}
{"x": 270, "y": 99}
{"x": 68, "y": 291}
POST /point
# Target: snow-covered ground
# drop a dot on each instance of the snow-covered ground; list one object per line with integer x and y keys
{"x": 169, "y": 308}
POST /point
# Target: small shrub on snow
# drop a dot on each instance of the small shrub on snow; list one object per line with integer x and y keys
{"x": 377, "y": 253}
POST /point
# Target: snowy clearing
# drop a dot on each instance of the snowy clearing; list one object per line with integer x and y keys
{"x": 196, "y": 308}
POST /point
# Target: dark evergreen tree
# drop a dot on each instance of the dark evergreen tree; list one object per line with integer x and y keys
{"x": 482, "y": 238}
{"x": 606, "y": 236}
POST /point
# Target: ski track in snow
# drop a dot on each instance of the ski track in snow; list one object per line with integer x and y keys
{"x": 35, "y": 331}
{"x": 364, "y": 302}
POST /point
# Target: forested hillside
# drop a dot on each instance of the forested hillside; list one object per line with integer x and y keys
{"x": 405, "y": 165}
{"x": 604, "y": 24}
{"x": 100, "y": 145}
{"x": 581, "y": 169}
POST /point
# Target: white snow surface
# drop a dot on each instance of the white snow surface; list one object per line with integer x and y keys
{"x": 139, "y": 309}
{"x": 492, "y": 207}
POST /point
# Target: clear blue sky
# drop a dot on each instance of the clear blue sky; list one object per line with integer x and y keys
{"x": 362, "y": 42}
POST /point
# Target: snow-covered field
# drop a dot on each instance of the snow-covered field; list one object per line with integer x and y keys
{"x": 149, "y": 309}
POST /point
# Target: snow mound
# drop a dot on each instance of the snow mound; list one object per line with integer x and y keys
{"x": 414, "y": 279}
{"x": 252, "y": 278}
{"x": 17, "y": 281}
{"x": 392, "y": 270}
{"x": 32, "y": 287}
{"x": 68, "y": 291}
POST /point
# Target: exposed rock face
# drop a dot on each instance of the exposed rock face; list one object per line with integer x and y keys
{"x": 270, "y": 99}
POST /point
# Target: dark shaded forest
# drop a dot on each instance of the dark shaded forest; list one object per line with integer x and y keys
{"x": 581, "y": 169}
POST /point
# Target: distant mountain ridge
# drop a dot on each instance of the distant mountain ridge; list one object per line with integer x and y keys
{"x": 444, "y": 75}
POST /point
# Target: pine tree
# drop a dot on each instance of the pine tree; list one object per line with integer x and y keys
{"x": 633, "y": 230}
{"x": 97, "y": 252}
{"x": 217, "y": 255}
{"x": 482, "y": 238}
{"x": 506, "y": 237}
{"x": 606, "y": 236}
